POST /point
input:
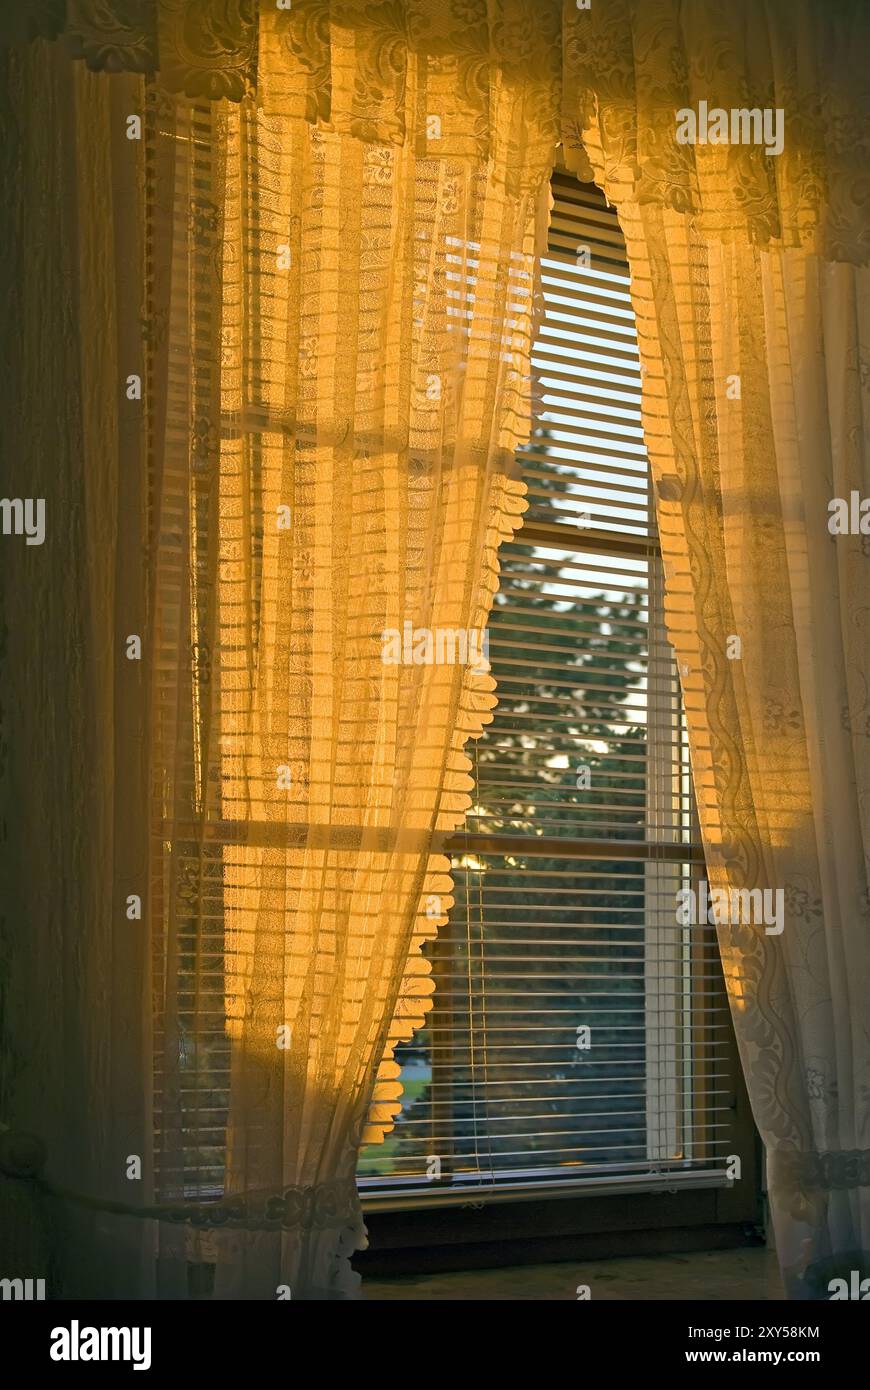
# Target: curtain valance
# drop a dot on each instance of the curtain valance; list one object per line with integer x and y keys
{"x": 608, "y": 81}
{"x": 641, "y": 76}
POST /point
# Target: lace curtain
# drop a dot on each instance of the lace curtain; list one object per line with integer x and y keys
{"x": 359, "y": 317}
{"x": 354, "y": 127}
{"x": 334, "y": 328}
{"x": 750, "y": 286}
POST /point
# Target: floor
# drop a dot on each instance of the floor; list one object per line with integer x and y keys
{"x": 749, "y": 1274}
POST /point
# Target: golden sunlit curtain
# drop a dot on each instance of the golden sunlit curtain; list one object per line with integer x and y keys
{"x": 359, "y": 315}
{"x": 336, "y": 315}
{"x": 752, "y": 295}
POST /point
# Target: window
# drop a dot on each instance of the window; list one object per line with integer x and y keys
{"x": 579, "y": 1036}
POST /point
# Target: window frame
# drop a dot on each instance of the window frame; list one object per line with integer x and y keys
{"x": 695, "y": 1197}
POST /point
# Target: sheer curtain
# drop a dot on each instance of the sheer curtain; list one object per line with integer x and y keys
{"x": 335, "y": 303}
{"x": 360, "y": 318}
{"x": 750, "y": 286}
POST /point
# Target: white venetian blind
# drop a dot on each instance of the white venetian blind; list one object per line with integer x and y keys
{"x": 579, "y": 1034}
